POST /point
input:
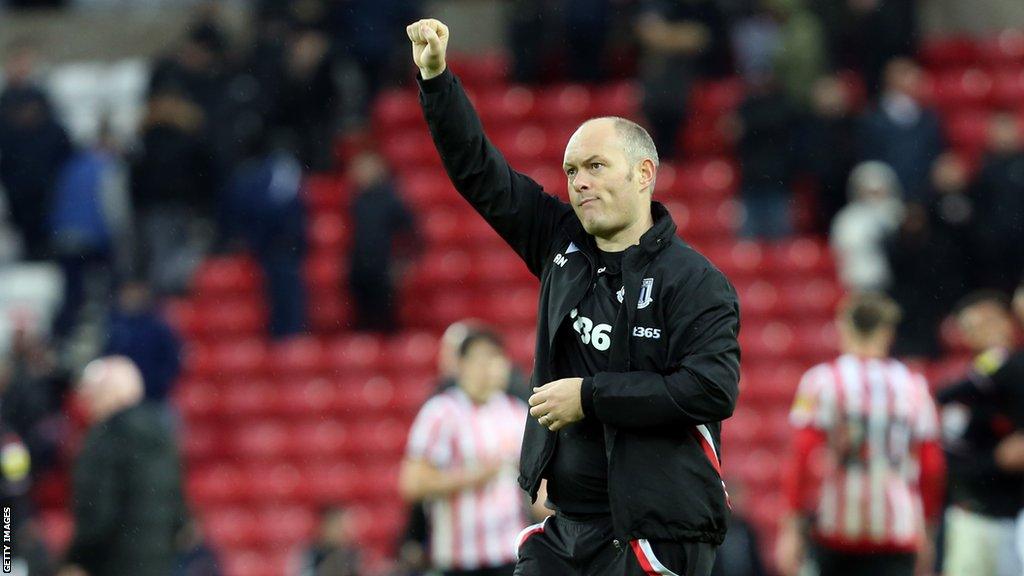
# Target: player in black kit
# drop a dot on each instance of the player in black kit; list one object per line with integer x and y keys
{"x": 637, "y": 359}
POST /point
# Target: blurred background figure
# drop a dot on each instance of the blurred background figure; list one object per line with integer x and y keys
{"x": 740, "y": 553}
{"x": 827, "y": 149}
{"x": 885, "y": 463}
{"x": 998, "y": 196}
{"x": 335, "y": 552}
{"x": 446, "y": 469}
{"x": 90, "y": 227}
{"x": 764, "y": 126}
{"x": 33, "y": 148}
{"x": 173, "y": 192}
{"x": 194, "y": 555}
{"x": 680, "y": 42}
{"x": 984, "y": 498}
{"x": 861, "y": 228}
{"x": 383, "y": 225}
{"x": 901, "y": 131}
{"x": 137, "y": 330}
{"x": 32, "y": 389}
{"x": 264, "y": 207}
{"x": 127, "y": 491}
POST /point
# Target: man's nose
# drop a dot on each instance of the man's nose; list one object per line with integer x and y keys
{"x": 581, "y": 183}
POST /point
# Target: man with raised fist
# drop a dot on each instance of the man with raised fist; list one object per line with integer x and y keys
{"x": 637, "y": 359}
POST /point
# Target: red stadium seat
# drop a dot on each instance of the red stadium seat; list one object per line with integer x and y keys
{"x": 215, "y": 485}
{"x": 329, "y": 312}
{"x": 412, "y": 352}
{"x": 203, "y": 442}
{"x": 506, "y": 105}
{"x": 198, "y": 399}
{"x": 738, "y": 259}
{"x": 265, "y": 441}
{"x": 226, "y": 276}
{"x": 354, "y": 353}
{"x": 438, "y": 269}
{"x": 428, "y": 188}
{"x": 326, "y": 194}
{"x": 565, "y": 104}
{"x": 234, "y": 317}
{"x": 240, "y": 358}
{"x": 1008, "y": 87}
{"x": 232, "y": 527}
{"x": 246, "y": 399}
{"x": 968, "y": 129}
{"x": 298, "y": 357}
{"x": 939, "y": 53}
{"x": 329, "y": 233}
{"x": 310, "y": 398}
{"x": 619, "y": 99}
{"x": 480, "y": 70}
{"x": 397, "y": 109}
{"x": 759, "y": 298}
{"x": 276, "y": 484}
{"x": 325, "y": 271}
{"x": 323, "y": 440}
{"x": 410, "y": 148}
{"x": 334, "y": 483}
{"x": 957, "y": 89}
{"x": 801, "y": 256}
{"x": 1003, "y": 49}
{"x": 715, "y": 98}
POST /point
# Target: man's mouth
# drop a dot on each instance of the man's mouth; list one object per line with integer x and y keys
{"x": 585, "y": 201}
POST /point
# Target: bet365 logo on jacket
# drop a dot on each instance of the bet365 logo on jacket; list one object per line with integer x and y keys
{"x": 599, "y": 336}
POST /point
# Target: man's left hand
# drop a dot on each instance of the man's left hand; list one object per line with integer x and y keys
{"x": 558, "y": 403}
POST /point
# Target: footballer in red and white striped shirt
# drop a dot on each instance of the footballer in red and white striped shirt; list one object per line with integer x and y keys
{"x": 462, "y": 461}
{"x": 871, "y": 426}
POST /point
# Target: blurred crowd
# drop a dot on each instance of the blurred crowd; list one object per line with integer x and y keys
{"x": 833, "y": 114}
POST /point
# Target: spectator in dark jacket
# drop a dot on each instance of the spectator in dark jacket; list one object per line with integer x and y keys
{"x": 31, "y": 398}
{"x": 681, "y": 42}
{"x": 901, "y": 132}
{"x": 127, "y": 486}
{"x": 33, "y": 147}
{"x": 138, "y": 332}
{"x": 764, "y": 126}
{"x": 998, "y": 194}
{"x": 379, "y": 217}
{"x": 923, "y": 262}
{"x": 828, "y": 147}
{"x": 264, "y": 201}
{"x": 173, "y": 183}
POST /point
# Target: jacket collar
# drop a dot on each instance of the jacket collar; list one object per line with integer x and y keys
{"x": 653, "y": 241}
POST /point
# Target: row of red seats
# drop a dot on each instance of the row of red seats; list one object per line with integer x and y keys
{"x": 275, "y": 484}
{"x": 349, "y": 354}
{"x": 314, "y": 398}
{"x": 476, "y": 251}
{"x": 997, "y": 50}
{"x": 301, "y": 439}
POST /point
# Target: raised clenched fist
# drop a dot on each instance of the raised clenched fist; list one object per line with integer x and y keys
{"x": 429, "y": 39}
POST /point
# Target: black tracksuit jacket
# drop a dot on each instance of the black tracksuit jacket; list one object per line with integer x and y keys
{"x": 674, "y": 358}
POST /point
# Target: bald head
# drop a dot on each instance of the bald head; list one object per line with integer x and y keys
{"x": 633, "y": 138}
{"x": 109, "y": 385}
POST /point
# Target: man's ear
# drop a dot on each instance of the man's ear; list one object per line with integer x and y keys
{"x": 647, "y": 172}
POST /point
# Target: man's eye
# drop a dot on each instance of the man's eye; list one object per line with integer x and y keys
{"x": 570, "y": 172}
{"x": 595, "y": 165}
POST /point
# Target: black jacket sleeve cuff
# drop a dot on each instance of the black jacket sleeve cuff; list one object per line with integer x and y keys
{"x": 587, "y": 397}
{"x": 437, "y": 83}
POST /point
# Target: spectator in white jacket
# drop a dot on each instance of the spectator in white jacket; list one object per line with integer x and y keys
{"x": 860, "y": 229}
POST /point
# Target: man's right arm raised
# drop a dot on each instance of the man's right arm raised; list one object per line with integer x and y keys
{"x": 513, "y": 204}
